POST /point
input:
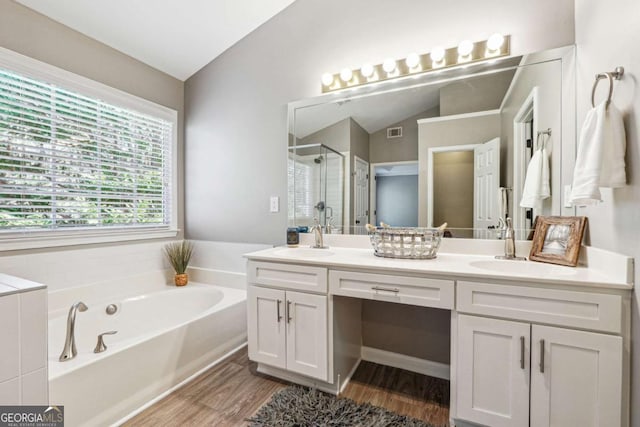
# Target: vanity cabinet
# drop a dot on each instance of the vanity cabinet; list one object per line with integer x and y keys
{"x": 288, "y": 330}
{"x": 514, "y": 373}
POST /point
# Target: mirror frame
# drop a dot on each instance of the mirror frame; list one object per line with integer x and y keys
{"x": 568, "y": 141}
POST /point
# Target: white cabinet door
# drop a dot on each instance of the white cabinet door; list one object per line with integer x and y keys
{"x": 576, "y": 378}
{"x": 493, "y": 371}
{"x": 307, "y": 338}
{"x": 266, "y": 326}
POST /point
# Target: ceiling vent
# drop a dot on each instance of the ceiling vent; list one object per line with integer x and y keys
{"x": 394, "y": 132}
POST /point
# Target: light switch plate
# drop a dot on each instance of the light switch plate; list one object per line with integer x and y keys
{"x": 567, "y": 196}
{"x": 274, "y": 204}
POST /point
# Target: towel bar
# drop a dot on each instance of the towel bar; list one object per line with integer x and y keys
{"x": 611, "y": 75}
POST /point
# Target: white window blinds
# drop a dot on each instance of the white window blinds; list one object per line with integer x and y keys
{"x": 68, "y": 161}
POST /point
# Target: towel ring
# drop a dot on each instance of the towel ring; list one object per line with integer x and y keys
{"x": 617, "y": 74}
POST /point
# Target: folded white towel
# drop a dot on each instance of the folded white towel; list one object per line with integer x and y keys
{"x": 536, "y": 183}
{"x": 600, "y": 159}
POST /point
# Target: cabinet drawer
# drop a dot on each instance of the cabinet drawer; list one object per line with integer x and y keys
{"x": 599, "y": 312}
{"x": 399, "y": 289}
{"x": 288, "y": 276}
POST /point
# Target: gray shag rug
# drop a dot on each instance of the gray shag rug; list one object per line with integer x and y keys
{"x": 299, "y": 406}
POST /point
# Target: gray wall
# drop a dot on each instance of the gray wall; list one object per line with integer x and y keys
{"x": 32, "y": 34}
{"x": 405, "y": 148}
{"x": 547, "y": 77}
{"x": 335, "y": 136}
{"x": 608, "y": 35}
{"x": 460, "y": 131}
{"x": 477, "y": 94}
{"x": 236, "y": 106}
{"x": 397, "y": 200}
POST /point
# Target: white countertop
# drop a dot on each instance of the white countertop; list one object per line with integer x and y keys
{"x": 450, "y": 265}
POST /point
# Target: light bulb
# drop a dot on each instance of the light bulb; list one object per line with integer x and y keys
{"x": 367, "y": 70}
{"x": 495, "y": 42}
{"x": 389, "y": 65}
{"x": 327, "y": 79}
{"x": 413, "y": 60}
{"x": 464, "y": 48}
{"x": 346, "y": 74}
{"x": 437, "y": 54}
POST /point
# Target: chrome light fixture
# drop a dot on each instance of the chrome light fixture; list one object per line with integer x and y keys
{"x": 466, "y": 52}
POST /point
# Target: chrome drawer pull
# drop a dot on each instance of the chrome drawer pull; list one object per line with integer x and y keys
{"x": 279, "y": 315}
{"x": 542, "y": 356}
{"x": 377, "y": 288}
{"x": 289, "y": 318}
{"x": 521, "y": 352}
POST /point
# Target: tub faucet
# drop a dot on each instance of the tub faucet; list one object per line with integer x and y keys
{"x": 70, "y": 351}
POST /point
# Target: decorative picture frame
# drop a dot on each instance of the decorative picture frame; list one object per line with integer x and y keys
{"x": 557, "y": 239}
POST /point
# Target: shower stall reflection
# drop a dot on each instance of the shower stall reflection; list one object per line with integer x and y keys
{"x": 316, "y": 187}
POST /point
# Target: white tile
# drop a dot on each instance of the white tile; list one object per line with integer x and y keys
{"x": 35, "y": 388}
{"x": 9, "y": 337}
{"x": 10, "y": 392}
{"x": 33, "y": 330}
{"x": 6, "y": 290}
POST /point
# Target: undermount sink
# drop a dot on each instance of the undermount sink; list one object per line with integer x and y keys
{"x": 526, "y": 268}
{"x": 305, "y": 252}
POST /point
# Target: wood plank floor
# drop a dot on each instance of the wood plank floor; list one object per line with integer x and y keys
{"x": 231, "y": 392}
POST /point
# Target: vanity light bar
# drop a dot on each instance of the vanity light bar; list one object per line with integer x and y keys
{"x": 466, "y": 52}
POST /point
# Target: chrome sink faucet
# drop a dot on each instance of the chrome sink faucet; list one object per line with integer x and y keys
{"x": 509, "y": 243}
{"x": 317, "y": 231}
{"x": 70, "y": 351}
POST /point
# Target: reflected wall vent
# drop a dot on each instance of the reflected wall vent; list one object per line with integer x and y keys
{"x": 394, "y": 132}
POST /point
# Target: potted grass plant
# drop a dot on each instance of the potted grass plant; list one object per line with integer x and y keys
{"x": 179, "y": 255}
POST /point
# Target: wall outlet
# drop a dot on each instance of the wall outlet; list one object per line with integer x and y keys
{"x": 274, "y": 204}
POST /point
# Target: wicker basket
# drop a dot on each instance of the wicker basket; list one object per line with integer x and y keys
{"x": 407, "y": 243}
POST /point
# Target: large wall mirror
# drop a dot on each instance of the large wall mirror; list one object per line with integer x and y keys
{"x": 453, "y": 146}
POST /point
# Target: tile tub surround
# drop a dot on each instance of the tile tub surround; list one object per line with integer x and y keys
{"x": 84, "y": 265}
{"x": 23, "y": 365}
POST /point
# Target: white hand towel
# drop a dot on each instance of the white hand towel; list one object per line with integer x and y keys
{"x": 536, "y": 183}
{"x": 600, "y": 159}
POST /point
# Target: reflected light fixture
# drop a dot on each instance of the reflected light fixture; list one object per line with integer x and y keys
{"x": 415, "y": 64}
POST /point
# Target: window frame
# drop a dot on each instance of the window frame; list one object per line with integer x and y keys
{"x": 33, "y": 239}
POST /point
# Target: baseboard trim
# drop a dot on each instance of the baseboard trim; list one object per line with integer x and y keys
{"x": 348, "y": 377}
{"x": 298, "y": 379}
{"x": 409, "y": 363}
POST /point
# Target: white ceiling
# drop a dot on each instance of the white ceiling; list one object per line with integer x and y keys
{"x": 178, "y": 37}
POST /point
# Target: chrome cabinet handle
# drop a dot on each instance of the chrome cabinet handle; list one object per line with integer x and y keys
{"x": 378, "y": 288}
{"x": 289, "y": 318}
{"x": 278, "y": 310}
{"x": 521, "y": 352}
{"x": 542, "y": 356}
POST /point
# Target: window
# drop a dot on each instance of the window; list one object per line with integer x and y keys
{"x": 72, "y": 162}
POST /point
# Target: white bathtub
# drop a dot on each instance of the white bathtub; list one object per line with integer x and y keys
{"x": 165, "y": 334}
